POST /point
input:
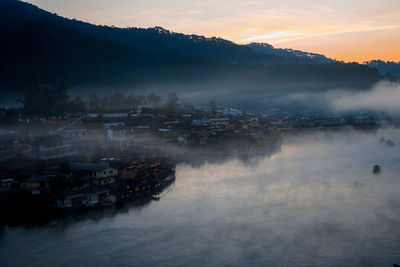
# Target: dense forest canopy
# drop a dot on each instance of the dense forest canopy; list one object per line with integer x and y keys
{"x": 42, "y": 48}
{"x": 47, "y": 101}
{"x": 385, "y": 67}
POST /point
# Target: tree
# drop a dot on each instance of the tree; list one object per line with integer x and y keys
{"x": 77, "y": 105}
{"x": 153, "y": 100}
{"x": 64, "y": 167}
{"x": 40, "y": 167}
{"x": 172, "y": 101}
{"x": 213, "y": 106}
{"x": 141, "y": 100}
{"x": 59, "y": 96}
{"x": 132, "y": 102}
{"x": 45, "y": 101}
{"x": 94, "y": 102}
{"x": 188, "y": 106}
{"x": 117, "y": 100}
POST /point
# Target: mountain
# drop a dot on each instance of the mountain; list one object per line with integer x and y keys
{"x": 39, "y": 47}
{"x": 385, "y": 67}
{"x": 306, "y": 57}
{"x": 155, "y": 39}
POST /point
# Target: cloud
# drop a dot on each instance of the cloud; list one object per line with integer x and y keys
{"x": 250, "y": 3}
{"x": 355, "y": 29}
{"x": 274, "y": 36}
{"x": 194, "y": 12}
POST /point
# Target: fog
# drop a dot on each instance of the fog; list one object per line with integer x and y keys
{"x": 247, "y": 91}
{"x": 382, "y": 97}
{"x": 324, "y": 166}
{"x": 314, "y": 203}
{"x": 292, "y": 95}
{"x": 317, "y": 201}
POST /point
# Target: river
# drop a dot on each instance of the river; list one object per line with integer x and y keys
{"x": 314, "y": 203}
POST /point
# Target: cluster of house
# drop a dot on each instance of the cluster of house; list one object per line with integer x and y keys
{"x": 310, "y": 119}
{"x": 142, "y": 130}
{"x": 196, "y": 128}
{"x": 81, "y": 184}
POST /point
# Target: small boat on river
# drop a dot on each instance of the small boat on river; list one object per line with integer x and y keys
{"x": 376, "y": 169}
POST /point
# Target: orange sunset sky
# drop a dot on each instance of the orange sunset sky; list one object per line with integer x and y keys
{"x": 348, "y": 30}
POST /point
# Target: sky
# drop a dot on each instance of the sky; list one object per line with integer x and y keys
{"x": 348, "y": 30}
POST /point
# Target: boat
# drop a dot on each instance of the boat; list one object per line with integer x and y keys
{"x": 376, "y": 169}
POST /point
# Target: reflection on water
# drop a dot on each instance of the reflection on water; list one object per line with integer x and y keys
{"x": 314, "y": 203}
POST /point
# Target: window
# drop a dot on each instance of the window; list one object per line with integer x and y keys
{"x": 111, "y": 172}
{"x": 76, "y": 201}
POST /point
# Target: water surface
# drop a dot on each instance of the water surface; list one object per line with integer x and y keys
{"x": 315, "y": 203}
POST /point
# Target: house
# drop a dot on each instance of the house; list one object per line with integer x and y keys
{"x": 37, "y": 184}
{"x": 115, "y": 115}
{"x": 6, "y": 184}
{"x": 74, "y": 133}
{"x": 180, "y": 140}
{"x": 219, "y": 123}
{"x": 186, "y": 116}
{"x": 254, "y": 128}
{"x": 140, "y": 170}
{"x": 113, "y": 124}
{"x": 147, "y": 116}
{"x": 142, "y": 130}
{"x": 171, "y": 123}
{"x": 50, "y": 147}
{"x": 91, "y": 195}
{"x": 232, "y": 112}
{"x": 129, "y": 187}
{"x": 166, "y": 132}
{"x": 161, "y": 116}
{"x": 204, "y": 121}
{"x": 119, "y": 133}
{"x": 108, "y": 115}
{"x": 98, "y": 173}
{"x": 197, "y": 138}
{"x": 254, "y": 122}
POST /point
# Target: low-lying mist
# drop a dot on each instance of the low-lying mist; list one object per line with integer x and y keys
{"x": 382, "y": 97}
{"x": 317, "y": 200}
{"x": 335, "y": 162}
{"x": 246, "y": 91}
{"x": 314, "y": 203}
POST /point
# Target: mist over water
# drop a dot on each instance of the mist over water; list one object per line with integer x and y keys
{"x": 314, "y": 203}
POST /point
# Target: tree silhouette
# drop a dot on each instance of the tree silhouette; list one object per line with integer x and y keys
{"x": 45, "y": 101}
{"x": 153, "y": 100}
{"x": 213, "y": 106}
{"x": 172, "y": 101}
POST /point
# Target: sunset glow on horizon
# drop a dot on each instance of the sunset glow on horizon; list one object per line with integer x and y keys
{"x": 358, "y": 30}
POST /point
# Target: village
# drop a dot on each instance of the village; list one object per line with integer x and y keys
{"x": 80, "y": 160}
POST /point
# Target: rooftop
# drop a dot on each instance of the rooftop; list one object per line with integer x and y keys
{"x": 89, "y": 166}
{"x": 49, "y": 139}
{"x": 92, "y": 189}
{"x": 37, "y": 179}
